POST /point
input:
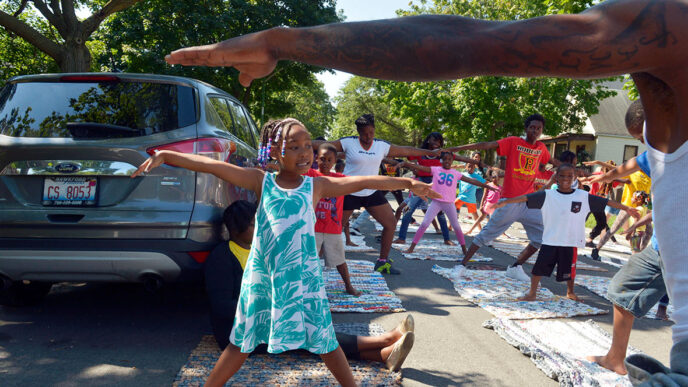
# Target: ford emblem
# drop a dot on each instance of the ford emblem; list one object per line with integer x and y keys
{"x": 67, "y": 168}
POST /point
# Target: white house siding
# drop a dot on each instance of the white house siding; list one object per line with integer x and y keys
{"x": 612, "y": 147}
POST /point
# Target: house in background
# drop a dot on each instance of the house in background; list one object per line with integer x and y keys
{"x": 604, "y": 136}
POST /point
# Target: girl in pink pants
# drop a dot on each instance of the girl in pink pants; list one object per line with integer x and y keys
{"x": 444, "y": 181}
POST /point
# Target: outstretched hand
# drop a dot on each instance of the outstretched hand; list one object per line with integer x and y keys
{"x": 250, "y": 54}
{"x": 423, "y": 190}
{"x": 152, "y": 162}
{"x": 633, "y": 212}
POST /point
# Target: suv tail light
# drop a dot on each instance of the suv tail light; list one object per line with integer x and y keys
{"x": 199, "y": 256}
{"x": 215, "y": 148}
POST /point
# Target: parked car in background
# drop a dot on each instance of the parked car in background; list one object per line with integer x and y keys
{"x": 69, "y": 210}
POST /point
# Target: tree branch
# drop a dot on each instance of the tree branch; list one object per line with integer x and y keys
{"x": 21, "y": 8}
{"x": 68, "y": 15}
{"x": 93, "y": 22}
{"x": 29, "y": 34}
{"x": 52, "y": 18}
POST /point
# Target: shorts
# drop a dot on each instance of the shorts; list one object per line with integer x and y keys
{"x": 472, "y": 207}
{"x": 562, "y": 257}
{"x": 332, "y": 248}
{"x": 375, "y": 199}
{"x": 611, "y": 210}
{"x": 639, "y": 284}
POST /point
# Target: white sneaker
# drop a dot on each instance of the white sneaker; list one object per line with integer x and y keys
{"x": 459, "y": 270}
{"x": 517, "y": 273}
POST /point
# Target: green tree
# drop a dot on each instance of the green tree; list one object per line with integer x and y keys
{"x": 52, "y": 27}
{"x": 360, "y": 96}
{"x": 138, "y": 38}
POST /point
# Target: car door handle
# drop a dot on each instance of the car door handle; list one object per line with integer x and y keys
{"x": 65, "y": 218}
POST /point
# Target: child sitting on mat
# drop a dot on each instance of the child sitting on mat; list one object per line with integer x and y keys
{"x": 444, "y": 181}
{"x": 282, "y": 300}
{"x": 564, "y": 211}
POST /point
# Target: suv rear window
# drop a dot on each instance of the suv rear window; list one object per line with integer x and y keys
{"x": 94, "y": 109}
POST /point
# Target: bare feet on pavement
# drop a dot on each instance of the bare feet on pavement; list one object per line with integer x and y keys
{"x": 572, "y": 296}
{"x": 353, "y": 291}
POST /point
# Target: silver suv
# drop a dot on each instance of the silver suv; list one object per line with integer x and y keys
{"x": 69, "y": 210}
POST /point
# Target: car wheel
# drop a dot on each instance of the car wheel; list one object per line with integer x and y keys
{"x": 20, "y": 293}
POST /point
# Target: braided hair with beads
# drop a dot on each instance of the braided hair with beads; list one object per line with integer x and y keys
{"x": 273, "y": 131}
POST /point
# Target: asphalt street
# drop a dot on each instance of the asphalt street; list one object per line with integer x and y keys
{"x": 107, "y": 334}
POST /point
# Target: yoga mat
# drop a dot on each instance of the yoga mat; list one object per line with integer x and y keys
{"x": 514, "y": 249}
{"x": 287, "y": 369}
{"x": 497, "y": 294}
{"x": 376, "y": 297}
{"x": 436, "y": 250}
{"x": 559, "y": 348}
{"x": 599, "y": 286}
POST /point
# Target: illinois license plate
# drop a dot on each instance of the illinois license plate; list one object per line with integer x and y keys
{"x": 70, "y": 191}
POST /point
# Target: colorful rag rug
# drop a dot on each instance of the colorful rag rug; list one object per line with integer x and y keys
{"x": 599, "y": 286}
{"x": 559, "y": 348}
{"x": 287, "y": 369}
{"x": 497, "y": 294}
{"x": 376, "y": 297}
{"x": 436, "y": 250}
{"x": 359, "y": 240}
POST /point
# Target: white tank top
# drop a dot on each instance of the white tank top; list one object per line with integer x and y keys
{"x": 670, "y": 213}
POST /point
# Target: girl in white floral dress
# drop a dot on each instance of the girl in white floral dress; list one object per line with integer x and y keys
{"x": 283, "y": 301}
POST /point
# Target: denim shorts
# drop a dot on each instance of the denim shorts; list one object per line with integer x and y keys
{"x": 639, "y": 285}
{"x": 612, "y": 210}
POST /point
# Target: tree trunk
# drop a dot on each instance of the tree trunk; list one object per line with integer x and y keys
{"x": 75, "y": 58}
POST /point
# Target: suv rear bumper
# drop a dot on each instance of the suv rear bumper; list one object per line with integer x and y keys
{"x": 78, "y": 260}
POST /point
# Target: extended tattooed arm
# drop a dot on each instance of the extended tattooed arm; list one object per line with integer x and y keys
{"x": 614, "y": 37}
{"x": 476, "y": 146}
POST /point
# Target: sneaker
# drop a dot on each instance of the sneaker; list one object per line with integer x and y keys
{"x": 460, "y": 270}
{"x": 355, "y": 231}
{"x": 406, "y": 325}
{"x": 595, "y": 255}
{"x": 590, "y": 244}
{"x": 401, "y": 349}
{"x": 385, "y": 267}
{"x": 517, "y": 273}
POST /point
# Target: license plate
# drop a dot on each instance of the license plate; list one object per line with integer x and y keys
{"x": 70, "y": 191}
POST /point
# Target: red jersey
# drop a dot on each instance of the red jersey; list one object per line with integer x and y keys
{"x": 541, "y": 178}
{"x": 522, "y": 163}
{"x": 329, "y": 211}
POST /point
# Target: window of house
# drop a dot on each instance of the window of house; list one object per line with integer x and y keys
{"x": 559, "y": 149}
{"x": 630, "y": 151}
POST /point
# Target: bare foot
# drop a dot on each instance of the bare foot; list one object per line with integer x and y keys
{"x": 603, "y": 361}
{"x": 662, "y": 313}
{"x": 350, "y": 243}
{"x": 353, "y": 291}
{"x": 449, "y": 243}
{"x": 528, "y": 297}
{"x": 572, "y": 296}
{"x": 409, "y": 250}
{"x": 399, "y": 241}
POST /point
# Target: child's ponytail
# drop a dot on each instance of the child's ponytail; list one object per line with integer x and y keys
{"x": 270, "y": 135}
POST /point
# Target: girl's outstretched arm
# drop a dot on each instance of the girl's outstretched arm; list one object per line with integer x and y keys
{"x": 625, "y": 169}
{"x": 630, "y": 210}
{"x": 249, "y": 178}
{"x": 476, "y": 182}
{"x": 406, "y": 151}
{"x": 415, "y": 167}
{"x": 327, "y": 187}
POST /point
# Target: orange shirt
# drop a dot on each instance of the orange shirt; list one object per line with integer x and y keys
{"x": 522, "y": 164}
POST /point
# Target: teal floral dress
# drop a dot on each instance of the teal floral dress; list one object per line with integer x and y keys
{"x": 283, "y": 301}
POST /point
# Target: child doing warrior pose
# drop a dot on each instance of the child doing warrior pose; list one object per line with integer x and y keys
{"x": 282, "y": 300}
{"x": 444, "y": 181}
{"x": 564, "y": 211}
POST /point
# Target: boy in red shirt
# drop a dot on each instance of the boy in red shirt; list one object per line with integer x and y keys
{"x": 328, "y": 225}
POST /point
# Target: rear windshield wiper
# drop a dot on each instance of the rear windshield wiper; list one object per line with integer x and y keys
{"x": 97, "y": 130}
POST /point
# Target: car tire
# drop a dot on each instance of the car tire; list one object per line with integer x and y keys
{"x": 24, "y": 294}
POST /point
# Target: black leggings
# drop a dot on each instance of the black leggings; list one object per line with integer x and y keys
{"x": 601, "y": 224}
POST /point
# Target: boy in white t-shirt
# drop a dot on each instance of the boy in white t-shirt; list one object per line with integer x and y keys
{"x": 564, "y": 211}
